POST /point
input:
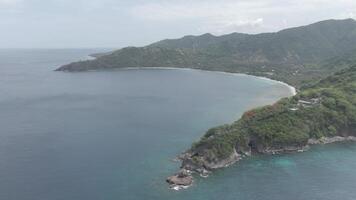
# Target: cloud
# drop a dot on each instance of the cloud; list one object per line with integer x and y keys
{"x": 63, "y": 23}
{"x": 9, "y": 2}
{"x": 222, "y": 27}
{"x": 243, "y": 15}
{"x": 163, "y": 11}
{"x": 212, "y": 17}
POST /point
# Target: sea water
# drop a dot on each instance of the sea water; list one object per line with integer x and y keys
{"x": 112, "y": 135}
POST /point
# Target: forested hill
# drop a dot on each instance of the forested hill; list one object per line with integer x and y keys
{"x": 324, "y": 110}
{"x": 292, "y": 55}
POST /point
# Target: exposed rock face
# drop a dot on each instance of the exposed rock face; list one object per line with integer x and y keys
{"x": 285, "y": 149}
{"x": 216, "y": 164}
{"x": 328, "y": 140}
{"x": 182, "y": 178}
{"x": 204, "y": 167}
{"x": 189, "y": 162}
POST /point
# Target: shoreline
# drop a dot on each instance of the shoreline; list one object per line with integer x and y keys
{"x": 291, "y": 88}
{"x": 287, "y": 150}
{"x": 183, "y": 180}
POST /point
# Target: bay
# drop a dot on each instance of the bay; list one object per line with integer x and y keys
{"x": 113, "y": 134}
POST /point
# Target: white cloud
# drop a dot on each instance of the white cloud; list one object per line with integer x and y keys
{"x": 222, "y": 27}
{"x": 121, "y": 22}
{"x": 213, "y": 17}
{"x": 10, "y": 7}
{"x": 179, "y": 11}
{"x": 244, "y": 15}
{"x": 9, "y": 2}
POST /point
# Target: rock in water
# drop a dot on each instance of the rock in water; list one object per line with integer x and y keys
{"x": 182, "y": 178}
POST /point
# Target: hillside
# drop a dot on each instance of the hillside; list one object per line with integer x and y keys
{"x": 293, "y": 55}
{"x": 322, "y": 113}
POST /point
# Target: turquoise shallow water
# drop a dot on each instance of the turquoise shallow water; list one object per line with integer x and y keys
{"x": 113, "y": 135}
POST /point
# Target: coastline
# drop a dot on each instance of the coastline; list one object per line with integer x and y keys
{"x": 184, "y": 178}
{"x": 292, "y": 89}
{"x": 235, "y": 157}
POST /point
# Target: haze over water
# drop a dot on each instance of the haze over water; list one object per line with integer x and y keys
{"x": 113, "y": 134}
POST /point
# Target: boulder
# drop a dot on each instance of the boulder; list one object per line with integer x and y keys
{"x": 184, "y": 181}
{"x": 182, "y": 178}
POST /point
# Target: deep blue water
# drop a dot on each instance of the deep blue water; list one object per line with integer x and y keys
{"x": 112, "y": 135}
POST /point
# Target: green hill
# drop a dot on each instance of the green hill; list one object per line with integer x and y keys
{"x": 293, "y": 55}
{"x": 324, "y": 112}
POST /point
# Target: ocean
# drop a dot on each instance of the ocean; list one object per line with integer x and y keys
{"x": 113, "y": 135}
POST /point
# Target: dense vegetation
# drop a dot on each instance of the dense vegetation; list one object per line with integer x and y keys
{"x": 293, "y": 55}
{"x": 325, "y": 109}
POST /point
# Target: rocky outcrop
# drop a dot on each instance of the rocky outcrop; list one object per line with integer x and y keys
{"x": 192, "y": 163}
{"x": 196, "y": 163}
{"x": 180, "y": 180}
{"x": 285, "y": 149}
{"x": 328, "y": 140}
{"x": 220, "y": 163}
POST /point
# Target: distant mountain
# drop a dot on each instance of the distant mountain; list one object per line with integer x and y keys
{"x": 299, "y": 45}
{"x": 289, "y": 55}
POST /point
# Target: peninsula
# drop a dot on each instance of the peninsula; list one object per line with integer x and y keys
{"x": 321, "y": 113}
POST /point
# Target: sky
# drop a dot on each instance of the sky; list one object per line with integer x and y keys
{"x": 120, "y": 23}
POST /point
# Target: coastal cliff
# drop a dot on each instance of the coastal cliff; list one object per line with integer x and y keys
{"x": 322, "y": 113}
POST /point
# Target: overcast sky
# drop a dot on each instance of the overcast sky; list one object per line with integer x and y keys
{"x": 119, "y": 23}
